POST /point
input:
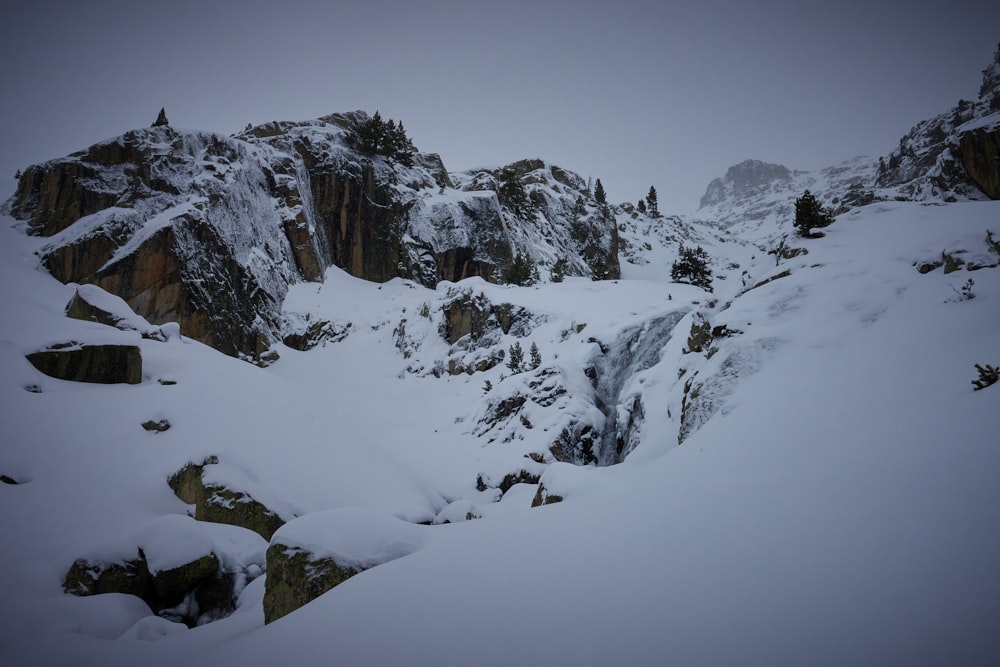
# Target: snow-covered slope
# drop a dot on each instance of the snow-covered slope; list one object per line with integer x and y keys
{"x": 832, "y": 502}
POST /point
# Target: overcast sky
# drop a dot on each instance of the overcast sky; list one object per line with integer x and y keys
{"x": 635, "y": 93}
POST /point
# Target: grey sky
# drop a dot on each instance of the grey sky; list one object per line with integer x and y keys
{"x": 634, "y": 93}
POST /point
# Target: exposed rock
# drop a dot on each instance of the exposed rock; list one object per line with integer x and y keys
{"x": 220, "y": 504}
{"x": 164, "y": 591}
{"x": 94, "y": 578}
{"x": 979, "y": 150}
{"x": 158, "y": 426}
{"x": 472, "y": 314}
{"x": 543, "y": 497}
{"x": 170, "y": 587}
{"x": 317, "y": 333}
{"x": 777, "y": 276}
{"x": 82, "y": 308}
{"x": 316, "y": 552}
{"x": 103, "y": 364}
{"x": 510, "y": 479}
{"x": 175, "y": 565}
{"x": 700, "y": 336}
{"x": 295, "y": 577}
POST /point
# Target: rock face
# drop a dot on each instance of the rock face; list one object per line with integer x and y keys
{"x": 209, "y": 231}
{"x": 979, "y": 150}
{"x": 103, "y": 364}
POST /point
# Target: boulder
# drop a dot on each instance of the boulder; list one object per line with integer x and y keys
{"x": 219, "y": 504}
{"x": 186, "y": 571}
{"x": 317, "y": 552}
{"x": 103, "y": 364}
{"x": 295, "y": 577}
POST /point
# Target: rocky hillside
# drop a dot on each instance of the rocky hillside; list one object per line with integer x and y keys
{"x": 209, "y": 231}
{"x": 954, "y": 156}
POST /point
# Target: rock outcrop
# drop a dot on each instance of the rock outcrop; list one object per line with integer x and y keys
{"x": 103, "y": 364}
{"x": 979, "y": 150}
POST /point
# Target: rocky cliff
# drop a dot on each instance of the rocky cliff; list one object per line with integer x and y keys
{"x": 209, "y": 231}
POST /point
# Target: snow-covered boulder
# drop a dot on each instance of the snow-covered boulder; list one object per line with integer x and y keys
{"x": 220, "y": 503}
{"x": 313, "y": 554}
{"x": 184, "y": 570}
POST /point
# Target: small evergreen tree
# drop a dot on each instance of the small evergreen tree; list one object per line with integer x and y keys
{"x": 651, "y": 202}
{"x": 17, "y": 175}
{"x": 641, "y": 206}
{"x": 536, "y": 356}
{"x": 375, "y": 136}
{"x": 558, "y": 273}
{"x": 512, "y": 194}
{"x": 692, "y": 267}
{"x": 487, "y": 387}
{"x": 809, "y": 214}
{"x": 515, "y": 358}
{"x": 599, "y": 269}
{"x": 161, "y": 119}
{"x": 522, "y": 271}
{"x": 600, "y": 196}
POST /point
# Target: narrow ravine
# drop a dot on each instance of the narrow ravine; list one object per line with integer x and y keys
{"x": 636, "y": 349}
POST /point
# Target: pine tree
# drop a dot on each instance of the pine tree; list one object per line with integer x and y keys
{"x": 515, "y": 358}
{"x": 692, "y": 267}
{"x": 522, "y": 271}
{"x": 651, "y": 202}
{"x": 599, "y": 269}
{"x": 161, "y": 119}
{"x": 599, "y": 195}
{"x": 512, "y": 194}
{"x": 809, "y": 214}
{"x": 641, "y": 206}
{"x": 536, "y": 356}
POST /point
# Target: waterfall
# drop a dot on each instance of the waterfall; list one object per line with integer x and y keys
{"x": 636, "y": 349}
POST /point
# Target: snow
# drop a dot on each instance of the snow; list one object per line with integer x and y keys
{"x": 836, "y": 504}
{"x": 352, "y": 536}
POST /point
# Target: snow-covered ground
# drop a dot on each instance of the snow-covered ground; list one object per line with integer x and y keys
{"x": 835, "y": 503}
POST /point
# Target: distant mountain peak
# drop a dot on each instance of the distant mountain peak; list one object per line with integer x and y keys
{"x": 742, "y": 179}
